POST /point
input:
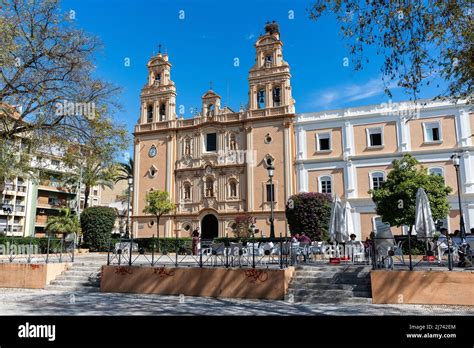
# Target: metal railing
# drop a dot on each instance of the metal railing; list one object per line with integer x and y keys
{"x": 277, "y": 254}
{"x": 30, "y": 250}
{"x": 403, "y": 252}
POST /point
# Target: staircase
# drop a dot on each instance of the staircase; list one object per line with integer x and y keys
{"x": 84, "y": 275}
{"x": 330, "y": 284}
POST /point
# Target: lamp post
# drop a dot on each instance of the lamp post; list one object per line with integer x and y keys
{"x": 271, "y": 171}
{"x": 456, "y": 161}
{"x": 127, "y": 227}
{"x": 252, "y": 228}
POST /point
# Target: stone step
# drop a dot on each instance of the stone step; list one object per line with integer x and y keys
{"x": 319, "y": 286}
{"x": 74, "y": 282}
{"x": 321, "y": 292}
{"x": 73, "y": 288}
{"x": 76, "y": 277}
{"x": 310, "y": 299}
{"x": 296, "y": 281}
{"x": 85, "y": 268}
{"x": 302, "y": 274}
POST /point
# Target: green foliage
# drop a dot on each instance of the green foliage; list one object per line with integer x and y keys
{"x": 158, "y": 203}
{"x": 396, "y": 200}
{"x": 64, "y": 223}
{"x": 420, "y": 41}
{"x": 124, "y": 171}
{"x": 41, "y": 243}
{"x": 309, "y": 213}
{"x": 97, "y": 224}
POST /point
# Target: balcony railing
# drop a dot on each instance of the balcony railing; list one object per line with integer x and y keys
{"x": 21, "y": 188}
{"x": 20, "y": 208}
{"x": 9, "y": 187}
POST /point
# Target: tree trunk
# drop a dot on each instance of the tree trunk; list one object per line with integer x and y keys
{"x": 87, "y": 192}
{"x": 158, "y": 230}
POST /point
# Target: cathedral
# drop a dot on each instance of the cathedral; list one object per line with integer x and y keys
{"x": 215, "y": 165}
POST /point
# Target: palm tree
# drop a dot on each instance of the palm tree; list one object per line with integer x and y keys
{"x": 64, "y": 223}
{"x": 97, "y": 175}
{"x": 125, "y": 171}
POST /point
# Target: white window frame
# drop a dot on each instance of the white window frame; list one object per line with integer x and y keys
{"x": 371, "y": 177}
{"x": 320, "y": 186}
{"x": 318, "y": 135}
{"x": 368, "y": 132}
{"x": 440, "y": 168}
{"x": 428, "y": 126}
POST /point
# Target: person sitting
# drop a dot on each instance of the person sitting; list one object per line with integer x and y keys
{"x": 304, "y": 238}
{"x": 472, "y": 231}
{"x": 352, "y": 239}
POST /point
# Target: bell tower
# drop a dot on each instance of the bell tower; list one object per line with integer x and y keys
{"x": 269, "y": 78}
{"x": 158, "y": 96}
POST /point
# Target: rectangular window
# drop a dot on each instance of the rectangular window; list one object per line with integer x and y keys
{"x": 211, "y": 142}
{"x": 326, "y": 185}
{"x": 55, "y": 163}
{"x": 377, "y": 181}
{"x": 270, "y": 192}
{"x": 432, "y": 132}
{"x": 324, "y": 142}
{"x": 375, "y": 137}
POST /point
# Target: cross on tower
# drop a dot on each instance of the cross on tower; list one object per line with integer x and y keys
{"x": 159, "y": 48}
{"x": 210, "y": 85}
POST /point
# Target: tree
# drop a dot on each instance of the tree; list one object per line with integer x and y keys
{"x": 64, "y": 223}
{"x": 309, "y": 213}
{"x": 419, "y": 40}
{"x": 395, "y": 200}
{"x": 158, "y": 204}
{"x": 124, "y": 171}
{"x": 49, "y": 94}
{"x": 97, "y": 224}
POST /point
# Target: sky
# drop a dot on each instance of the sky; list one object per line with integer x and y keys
{"x": 203, "y": 38}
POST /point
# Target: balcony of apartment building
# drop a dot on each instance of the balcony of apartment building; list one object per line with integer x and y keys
{"x": 52, "y": 202}
{"x": 15, "y": 229}
{"x": 41, "y": 220}
{"x": 52, "y": 185}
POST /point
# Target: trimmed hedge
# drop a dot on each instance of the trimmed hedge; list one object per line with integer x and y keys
{"x": 42, "y": 243}
{"x": 97, "y": 224}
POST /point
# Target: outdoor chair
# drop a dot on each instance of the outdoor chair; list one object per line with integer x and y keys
{"x": 318, "y": 248}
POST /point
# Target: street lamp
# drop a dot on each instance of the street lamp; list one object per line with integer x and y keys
{"x": 127, "y": 227}
{"x": 271, "y": 170}
{"x": 252, "y": 228}
{"x": 456, "y": 161}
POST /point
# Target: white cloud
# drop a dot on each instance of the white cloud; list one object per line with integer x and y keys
{"x": 349, "y": 92}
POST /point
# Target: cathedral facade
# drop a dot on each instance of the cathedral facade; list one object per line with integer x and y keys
{"x": 215, "y": 165}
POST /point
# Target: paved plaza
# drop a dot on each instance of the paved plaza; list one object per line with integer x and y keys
{"x": 47, "y": 303}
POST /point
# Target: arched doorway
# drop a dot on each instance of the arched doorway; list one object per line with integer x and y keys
{"x": 209, "y": 227}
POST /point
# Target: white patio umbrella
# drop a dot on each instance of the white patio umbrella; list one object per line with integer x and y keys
{"x": 334, "y": 220}
{"x": 337, "y": 223}
{"x": 424, "y": 223}
{"x": 348, "y": 223}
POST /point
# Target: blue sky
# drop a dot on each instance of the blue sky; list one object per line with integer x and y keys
{"x": 202, "y": 48}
